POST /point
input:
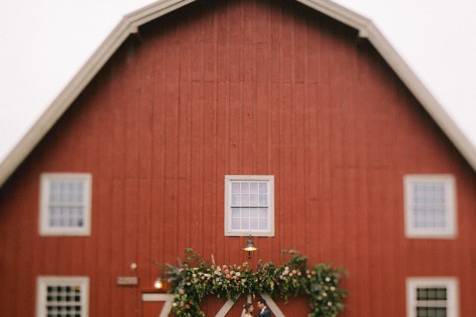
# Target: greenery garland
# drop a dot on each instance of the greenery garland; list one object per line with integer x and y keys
{"x": 196, "y": 278}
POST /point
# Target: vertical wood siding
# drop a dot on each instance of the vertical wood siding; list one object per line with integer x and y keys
{"x": 240, "y": 87}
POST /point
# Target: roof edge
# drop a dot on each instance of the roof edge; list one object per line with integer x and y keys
{"x": 422, "y": 94}
{"x": 133, "y": 20}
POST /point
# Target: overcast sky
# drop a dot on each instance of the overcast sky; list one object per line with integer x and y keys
{"x": 43, "y": 43}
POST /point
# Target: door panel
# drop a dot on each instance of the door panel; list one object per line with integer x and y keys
{"x": 152, "y": 309}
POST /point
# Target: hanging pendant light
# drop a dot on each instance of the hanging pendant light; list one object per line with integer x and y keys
{"x": 250, "y": 246}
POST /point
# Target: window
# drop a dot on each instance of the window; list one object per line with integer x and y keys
{"x": 65, "y": 204}
{"x": 430, "y": 206}
{"x": 62, "y": 296}
{"x": 249, "y": 205}
{"x": 432, "y": 297}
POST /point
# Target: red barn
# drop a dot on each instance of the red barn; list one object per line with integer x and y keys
{"x": 218, "y": 119}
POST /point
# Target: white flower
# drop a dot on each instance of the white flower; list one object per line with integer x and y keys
{"x": 328, "y": 279}
{"x": 329, "y": 304}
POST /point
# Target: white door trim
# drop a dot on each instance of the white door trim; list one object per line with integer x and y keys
{"x": 167, "y": 298}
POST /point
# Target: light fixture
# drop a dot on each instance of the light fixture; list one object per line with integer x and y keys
{"x": 158, "y": 283}
{"x": 250, "y": 246}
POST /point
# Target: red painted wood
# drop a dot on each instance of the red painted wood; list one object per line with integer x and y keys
{"x": 240, "y": 87}
{"x": 151, "y": 309}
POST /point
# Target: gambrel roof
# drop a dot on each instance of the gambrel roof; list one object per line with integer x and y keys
{"x": 130, "y": 23}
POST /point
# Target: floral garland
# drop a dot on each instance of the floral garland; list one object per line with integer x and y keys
{"x": 195, "y": 279}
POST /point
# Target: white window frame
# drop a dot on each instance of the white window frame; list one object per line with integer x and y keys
{"x": 44, "y": 281}
{"x": 451, "y": 285}
{"x": 450, "y": 231}
{"x": 44, "y": 227}
{"x": 267, "y": 178}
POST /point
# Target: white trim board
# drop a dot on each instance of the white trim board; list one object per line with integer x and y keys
{"x": 225, "y": 308}
{"x": 132, "y": 21}
{"x": 167, "y": 298}
{"x": 269, "y": 301}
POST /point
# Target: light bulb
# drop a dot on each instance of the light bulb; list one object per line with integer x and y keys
{"x": 158, "y": 283}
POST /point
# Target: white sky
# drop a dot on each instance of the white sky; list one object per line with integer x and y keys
{"x": 43, "y": 43}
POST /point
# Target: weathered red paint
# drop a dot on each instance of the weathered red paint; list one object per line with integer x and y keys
{"x": 242, "y": 87}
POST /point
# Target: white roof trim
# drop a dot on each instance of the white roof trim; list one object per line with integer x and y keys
{"x": 132, "y": 21}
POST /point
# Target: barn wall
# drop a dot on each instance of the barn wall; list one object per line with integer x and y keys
{"x": 242, "y": 87}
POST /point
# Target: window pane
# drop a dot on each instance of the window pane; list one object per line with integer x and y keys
{"x": 263, "y": 223}
{"x": 235, "y": 187}
{"x": 263, "y": 213}
{"x": 250, "y": 197}
{"x": 79, "y": 212}
{"x": 431, "y": 293}
{"x": 263, "y": 218}
{"x": 59, "y": 300}
{"x": 429, "y": 205}
{"x": 245, "y": 223}
{"x": 263, "y": 188}
{"x": 254, "y": 224}
{"x": 245, "y": 200}
{"x": 427, "y": 297}
{"x": 235, "y": 213}
{"x": 235, "y": 223}
{"x": 441, "y": 312}
{"x": 422, "y": 294}
{"x": 254, "y": 188}
{"x": 254, "y": 200}
{"x": 441, "y": 294}
{"x": 66, "y": 202}
{"x": 422, "y": 312}
{"x": 263, "y": 200}
{"x": 79, "y": 193}
{"x": 235, "y": 200}
{"x": 53, "y": 195}
{"x": 431, "y": 312}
